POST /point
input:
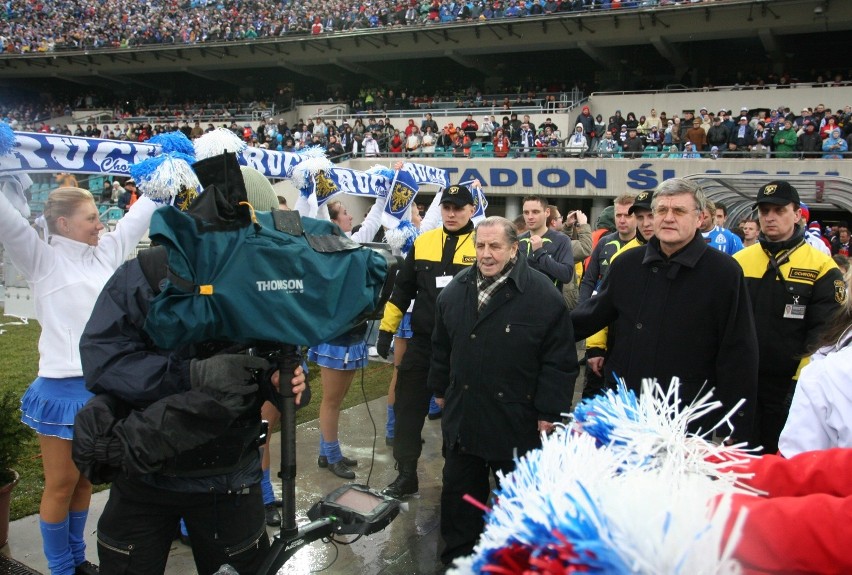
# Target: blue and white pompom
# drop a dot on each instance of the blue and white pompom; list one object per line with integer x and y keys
{"x": 382, "y": 171}
{"x": 164, "y": 177}
{"x": 311, "y": 152}
{"x": 402, "y": 237}
{"x": 569, "y": 507}
{"x": 216, "y": 143}
{"x": 625, "y": 489}
{"x": 305, "y": 171}
{"x": 7, "y": 139}
{"x": 654, "y": 429}
{"x": 174, "y": 142}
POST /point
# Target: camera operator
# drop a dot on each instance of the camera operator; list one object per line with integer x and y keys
{"x": 177, "y": 431}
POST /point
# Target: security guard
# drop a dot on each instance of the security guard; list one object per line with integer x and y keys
{"x": 794, "y": 289}
{"x": 436, "y": 257}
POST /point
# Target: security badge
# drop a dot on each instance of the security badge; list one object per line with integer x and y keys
{"x": 795, "y": 310}
{"x": 442, "y": 281}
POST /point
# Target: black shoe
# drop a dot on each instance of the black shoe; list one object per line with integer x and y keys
{"x": 273, "y": 518}
{"x": 185, "y": 540}
{"x": 406, "y": 484}
{"x": 322, "y": 461}
{"x": 389, "y": 441}
{"x": 278, "y": 503}
{"x": 86, "y": 568}
{"x": 436, "y": 415}
{"x": 342, "y": 470}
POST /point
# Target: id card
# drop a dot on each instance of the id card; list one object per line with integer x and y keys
{"x": 442, "y": 281}
{"x": 794, "y": 311}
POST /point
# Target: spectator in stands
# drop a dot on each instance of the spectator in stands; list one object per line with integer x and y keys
{"x": 130, "y": 195}
{"x": 396, "y": 144}
{"x": 577, "y": 144}
{"x": 428, "y": 122}
{"x": 653, "y": 139}
{"x": 762, "y": 140}
{"x": 741, "y": 137}
{"x": 412, "y": 141}
{"x": 589, "y": 125}
{"x": 371, "y": 146}
{"x": 834, "y": 147}
{"x": 689, "y": 151}
{"x": 334, "y": 150}
{"x": 488, "y": 127}
{"x": 652, "y": 121}
{"x": 600, "y": 129}
{"x": 809, "y": 142}
{"x": 470, "y": 127}
{"x": 607, "y": 146}
{"x": 785, "y": 141}
{"x": 526, "y": 139}
{"x": 633, "y": 145}
{"x": 696, "y": 135}
{"x": 676, "y": 131}
{"x": 828, "y": 125}
{"x": 501, "y": 144}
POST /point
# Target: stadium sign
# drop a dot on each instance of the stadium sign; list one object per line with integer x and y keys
{"x": 604, "y": 177}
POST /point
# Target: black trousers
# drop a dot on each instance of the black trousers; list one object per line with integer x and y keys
{"x": 139, "y": 522}
{"x": 461, "y": 522}
{"x": 410, "y": 409}
{"x": 770, "y": 415}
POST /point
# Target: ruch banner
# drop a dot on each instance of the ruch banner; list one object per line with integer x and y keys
{"x": 51, "y": 153}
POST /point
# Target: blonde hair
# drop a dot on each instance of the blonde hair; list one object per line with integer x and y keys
{"x": 63, "y": 202}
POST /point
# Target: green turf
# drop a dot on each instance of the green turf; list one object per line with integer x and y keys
{"x": 18, "y": 367}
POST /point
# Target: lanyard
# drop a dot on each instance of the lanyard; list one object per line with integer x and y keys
{"x": 777, "y": 263}
{"x": 458, "y": 245}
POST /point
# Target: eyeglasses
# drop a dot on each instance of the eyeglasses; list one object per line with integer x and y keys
{"x": 678, "y": 211}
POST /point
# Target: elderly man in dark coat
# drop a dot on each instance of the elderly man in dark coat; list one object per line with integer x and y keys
{"x": 503, "y": 368}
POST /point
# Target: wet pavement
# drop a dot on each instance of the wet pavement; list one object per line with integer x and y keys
{"x": 408, "y": 546}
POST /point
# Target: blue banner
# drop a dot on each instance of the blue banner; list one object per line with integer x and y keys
{"x": 326, "y": 184}
{"x": 51, "y": 153}
{"x": 427, "y": 174}
{"x": 402, "y": 192}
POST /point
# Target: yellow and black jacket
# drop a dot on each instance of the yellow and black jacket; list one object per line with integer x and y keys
{"x": 805, "y": 277}
{"x": 436, "y": 253}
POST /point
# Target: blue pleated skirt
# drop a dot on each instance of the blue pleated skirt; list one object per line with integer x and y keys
{"x": 340, "y": 357}
{"x": 49, "y": 405}
{"x": 404, "y": 331}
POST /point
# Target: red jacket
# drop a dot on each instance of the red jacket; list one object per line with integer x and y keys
{"x": 804, "y": 524}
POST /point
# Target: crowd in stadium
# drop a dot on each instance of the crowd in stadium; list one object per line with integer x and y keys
{"x": 812, "y": 132}
{"x": 54, "y": 26}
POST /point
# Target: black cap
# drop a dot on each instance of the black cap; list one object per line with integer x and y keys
{"x": 779, "y": 193}
{"x": 641, "y": 202}
{"x": 457, "y": 195}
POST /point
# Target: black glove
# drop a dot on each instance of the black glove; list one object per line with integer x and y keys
{"x": 383, "y": 343}
{"x": 96, "y": 451}
{"x": 227, "y": 374}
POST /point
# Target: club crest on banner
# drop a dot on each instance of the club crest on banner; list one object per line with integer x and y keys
{"x": 324, "y": 187}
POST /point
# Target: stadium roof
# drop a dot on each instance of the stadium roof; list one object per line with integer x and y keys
{"x": 738, "y": 191}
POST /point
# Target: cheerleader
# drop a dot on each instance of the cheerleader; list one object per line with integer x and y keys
{"x": 65, "y": 273}
{"x": 338, "y": 360}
